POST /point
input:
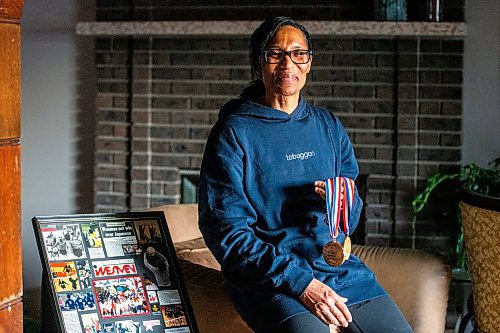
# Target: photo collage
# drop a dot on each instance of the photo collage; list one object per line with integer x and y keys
{"x": 114, "y": 276}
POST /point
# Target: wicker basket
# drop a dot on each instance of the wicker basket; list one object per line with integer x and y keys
{"x": 482, "y": 242}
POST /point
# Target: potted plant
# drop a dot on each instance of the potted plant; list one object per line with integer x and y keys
{"x": 478, "y": 207}
{"x": 483, "y": 181}
{"x": 480, "y": 215}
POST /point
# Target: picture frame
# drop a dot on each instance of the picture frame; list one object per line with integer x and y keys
{"x": 113, "y": 273}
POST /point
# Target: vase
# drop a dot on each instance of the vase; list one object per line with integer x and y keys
{"x": 390, "y": 10}
{"x": 434, "y": 10}
{"x": 481, "y": 223}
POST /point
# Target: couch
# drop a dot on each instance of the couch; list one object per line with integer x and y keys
{"x": 417, "y": 280}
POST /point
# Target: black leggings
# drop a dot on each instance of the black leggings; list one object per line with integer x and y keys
{"x": 380, "y": 315}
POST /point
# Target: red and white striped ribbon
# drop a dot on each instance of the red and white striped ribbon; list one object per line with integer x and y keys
{"x": 338, "y": 206}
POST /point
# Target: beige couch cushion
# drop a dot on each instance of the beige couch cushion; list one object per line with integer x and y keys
{"x": 182, "y": 221}
{"x": 212, "y": 307}
{"x": 196, "y": 252}
{"x": 417, "y": 281}
{"x": 196, "y": 243}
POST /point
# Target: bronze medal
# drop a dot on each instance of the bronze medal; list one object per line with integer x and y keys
{"x": 333, "y": 253}
{"x": 347, "y": 248}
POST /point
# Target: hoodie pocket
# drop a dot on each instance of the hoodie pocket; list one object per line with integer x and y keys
{"x": 306, "y": 249}
{"x": 309, "y": 253}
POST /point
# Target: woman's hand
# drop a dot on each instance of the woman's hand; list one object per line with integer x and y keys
{"x": 319, "y": 187}
{"x": 326, "y": 304}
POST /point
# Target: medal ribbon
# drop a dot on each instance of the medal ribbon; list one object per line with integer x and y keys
{"x": 337, "y": 207}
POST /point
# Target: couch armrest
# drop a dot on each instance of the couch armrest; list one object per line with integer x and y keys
{"x": 417, "y": 280}
{"x": 212, "y": 307}
{"x": 182, "y": 220}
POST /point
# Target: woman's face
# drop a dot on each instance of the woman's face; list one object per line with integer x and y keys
{"x": 285, "y": 78}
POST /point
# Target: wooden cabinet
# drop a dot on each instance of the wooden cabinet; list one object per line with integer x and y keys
{"x": 11, "y": 310}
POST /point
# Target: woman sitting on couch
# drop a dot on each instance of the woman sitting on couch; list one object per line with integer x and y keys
{"x": 262, "y": 201}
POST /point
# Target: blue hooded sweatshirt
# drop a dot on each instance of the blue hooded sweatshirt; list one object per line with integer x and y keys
{"x": 259, "y": 213}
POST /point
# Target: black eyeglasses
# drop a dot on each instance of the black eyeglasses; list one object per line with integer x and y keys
{"x": 275, "y": 56}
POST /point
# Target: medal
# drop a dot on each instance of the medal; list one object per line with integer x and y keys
{"x": 333, "y": 253}
{"x": 347, "y": 248}
{"x": 339, "y": 200}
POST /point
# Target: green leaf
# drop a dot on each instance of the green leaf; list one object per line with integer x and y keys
{"x": 421, "y": 200}
{"x": 471, "y": 176}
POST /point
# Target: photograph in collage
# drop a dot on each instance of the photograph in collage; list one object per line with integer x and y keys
{"x": 152, "y": 297}
{"x": 173, "y": 315}
{"x": 149, "y": 282}
{"x": 92, "y": 239}
{"x": 64, "y": 276}
{"x": 127, "y": 326}
{"x": 155, "y": 309}
{"x": 84, "y": 273}
{"x": 148, "y": 231}
{"x": 177, "y": 330}
{"x": 158, "y": 264}
{"x": 166, "y": 297}
{"x": 118, "y": 238}
{"x": 63, "y": 242}
{"x": 152, "y": 325}
{"x": 71, "y": 322}
{"x": 131, "y": 249}
{"x": 81, "y": 301}
{"x": 118, "y": 297}
{"x": 90, "y": 323}
{"x": 108, "y": 328}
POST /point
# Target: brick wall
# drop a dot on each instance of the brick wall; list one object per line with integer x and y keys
{"x": 399, "y": 98}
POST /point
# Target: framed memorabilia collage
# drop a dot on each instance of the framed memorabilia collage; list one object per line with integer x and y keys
{"x": 113, "y": 273}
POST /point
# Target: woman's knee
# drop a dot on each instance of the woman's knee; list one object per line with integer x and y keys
{"x": 301, "y": 323}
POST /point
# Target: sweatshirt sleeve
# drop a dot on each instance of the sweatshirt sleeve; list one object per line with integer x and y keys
{"x": 225, "y": 217}
{"x": 349, "y": 168}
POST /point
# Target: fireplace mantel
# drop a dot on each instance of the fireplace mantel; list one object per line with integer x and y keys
{"x": 318, "y": 28}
